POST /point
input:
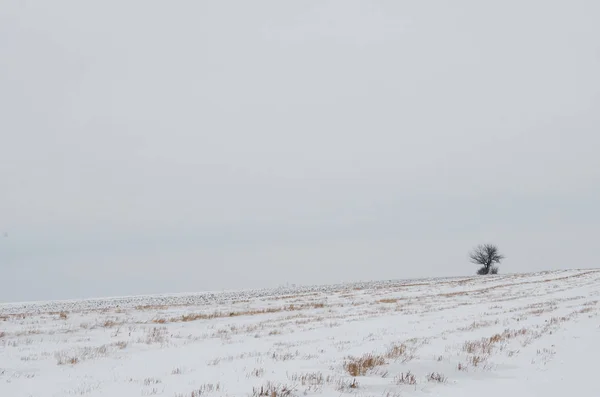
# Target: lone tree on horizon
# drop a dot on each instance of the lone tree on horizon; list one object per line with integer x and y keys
{"x": 487, "y": 256}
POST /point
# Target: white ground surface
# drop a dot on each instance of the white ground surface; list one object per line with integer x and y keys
{"x": 514, "y": 335}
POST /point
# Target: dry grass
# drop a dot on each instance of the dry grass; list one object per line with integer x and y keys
{"x": 66, "y": 360}
{"x": 155, "y": 307}
{"x": 405, "y": 379}
{"x": 480, "y": 350}
{"x": 539, "y": 312}
{"x": 271, "y": 389}
{"x": 34, "y": 331}
{"x": 257, "y": 372}
{"x": 121, "y": 345}
{"x": 87, "y": 353}
{"x": 478, "y": 324}
{"x": 436, "y": 377}
{"x": 202, "y": 390}
{"x": 475, "y": 361}
{"x": 388, "y": 300}
{"x": 63, "y": 315}
{"x": 286, "y": 356}
{"x": 396, "y": 351}
{"x": 313, "y": 382}
{"x": 156, "y": 335}
{"x": 251, "y": 312}
{"x": 360, "y": 366}
{"x": 345, "y": 385}
{"x": 453, "y": 294}
{"x": 17, "y": 316}
{"x": 110, "y": 324}
{"x": 586, "y": 310}
{"x": 243, "y": 356}
{"x": 312, "y": 379}
{"x": 288, "y": 297}
{"x": 485, "y": 346}
{"x": 399, "y": 352}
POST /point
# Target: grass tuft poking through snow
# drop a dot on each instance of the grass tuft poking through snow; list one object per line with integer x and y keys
{"x": 360, "y": 366}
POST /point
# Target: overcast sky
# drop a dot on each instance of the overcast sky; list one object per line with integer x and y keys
{"x": 154, "y": 146}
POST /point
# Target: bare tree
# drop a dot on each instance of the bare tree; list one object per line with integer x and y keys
{"x": 487, "y": 256}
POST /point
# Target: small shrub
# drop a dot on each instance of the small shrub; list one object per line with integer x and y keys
{"x": 484, "y": 270}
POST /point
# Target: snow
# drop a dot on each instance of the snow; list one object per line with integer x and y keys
{"x": 523, "y": 334}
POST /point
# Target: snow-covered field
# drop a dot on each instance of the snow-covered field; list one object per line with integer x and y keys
{"x": 527, "y": 335}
